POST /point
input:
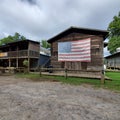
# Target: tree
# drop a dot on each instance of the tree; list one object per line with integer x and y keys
{"x": 17, "y": 36}
{"x": 10, "y": 38}
{"x": 6, "y": 40}
{"x": 45, "y": 44}
{"x": 114, "y": 34}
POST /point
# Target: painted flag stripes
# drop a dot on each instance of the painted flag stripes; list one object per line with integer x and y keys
{"x": 75, "y": 50}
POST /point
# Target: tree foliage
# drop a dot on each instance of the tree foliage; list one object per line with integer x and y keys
{"x": 114, "y": 34}
{"x": 45, "y": 44}
{"x": 10, "y": 38}
{"x": 26, "y": 63}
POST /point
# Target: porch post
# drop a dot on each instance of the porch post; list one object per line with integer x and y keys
{"x": 17, "y": 57}
{"x": 17, "y": 63}
{"x": 9, "y": 62}
{"x": 9, "y": 65}
{"x": 28, "y": 60}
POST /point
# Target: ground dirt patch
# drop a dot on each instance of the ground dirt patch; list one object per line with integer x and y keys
{"x": 23, "y": 99}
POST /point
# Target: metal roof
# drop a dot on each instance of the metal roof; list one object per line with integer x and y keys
{"x": 109, "y": 56}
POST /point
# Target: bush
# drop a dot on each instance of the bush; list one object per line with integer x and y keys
{"x": 26, "y": 64}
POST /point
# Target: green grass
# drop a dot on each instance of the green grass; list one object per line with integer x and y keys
{"x": 114, "y": 84}
{"x": 69, "y": 80}
{"x": 29, "y": 75}
{"x": 77, "y": 81}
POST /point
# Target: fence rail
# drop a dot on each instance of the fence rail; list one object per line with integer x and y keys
{"x": 8, "y": 69}
{"x": 66, "y": 72}
{"x": 63, "y": 69}
{"x": 70, "y": 72}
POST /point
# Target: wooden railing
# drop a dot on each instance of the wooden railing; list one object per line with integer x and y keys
{"x": 22, "y": 53}
{"x": 33, "y": 53}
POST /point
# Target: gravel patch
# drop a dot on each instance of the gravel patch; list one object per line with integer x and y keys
{"x": 22, "y": 99}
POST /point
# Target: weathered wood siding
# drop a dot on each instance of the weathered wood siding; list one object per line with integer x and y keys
{"x": 34, "y": 46}
{"x": 17, "y": 51}
{"x": 113, "y": 61}
{"x": 96, "y": 53}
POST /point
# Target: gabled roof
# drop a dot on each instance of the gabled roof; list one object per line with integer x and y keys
{"x": 104, "y": 33}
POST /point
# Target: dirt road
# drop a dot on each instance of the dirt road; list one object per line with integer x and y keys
{"x": 22, "y": 99}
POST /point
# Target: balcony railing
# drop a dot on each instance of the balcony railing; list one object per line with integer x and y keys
{"x": 21, "y": 53}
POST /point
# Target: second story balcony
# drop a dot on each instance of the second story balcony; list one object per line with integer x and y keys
{"x": 19, "y": 54}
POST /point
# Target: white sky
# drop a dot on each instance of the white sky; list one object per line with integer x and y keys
{"x": 42, "y": 19}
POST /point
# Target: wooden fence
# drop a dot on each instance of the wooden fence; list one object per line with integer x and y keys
{"x": 60, "y": 72}
{"x": 11, "y": 70}
{"x": 7, "y": 70}
{"x": 73, "y": 73}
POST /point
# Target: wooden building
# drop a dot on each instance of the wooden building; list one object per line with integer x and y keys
{"x": 13, "y": 54}
{"x": 96, "y": 37}
{"x": 113, "y": 61}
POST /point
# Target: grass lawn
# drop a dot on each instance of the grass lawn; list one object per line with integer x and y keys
{"x": 114, "y": 84}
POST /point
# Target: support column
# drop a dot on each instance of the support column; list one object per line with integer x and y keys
{"x": 9, "y": 62}
{"x": 102, "y": 77}
{"x": 17, "y": 63}
{"x": 28, "y": 60}
{"x": 102, "y": 65}
{"x": 28, "y": 64}
{"x": 17, "y": 58}
{"x": 9, "y": 65}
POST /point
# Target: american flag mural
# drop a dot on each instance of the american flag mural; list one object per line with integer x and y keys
{"x": 78, "y": 50}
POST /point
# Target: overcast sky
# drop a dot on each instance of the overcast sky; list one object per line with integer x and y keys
{"x": 42, "y": 19}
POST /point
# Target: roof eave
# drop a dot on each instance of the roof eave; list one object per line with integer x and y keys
{"x": 104, "y": 33}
